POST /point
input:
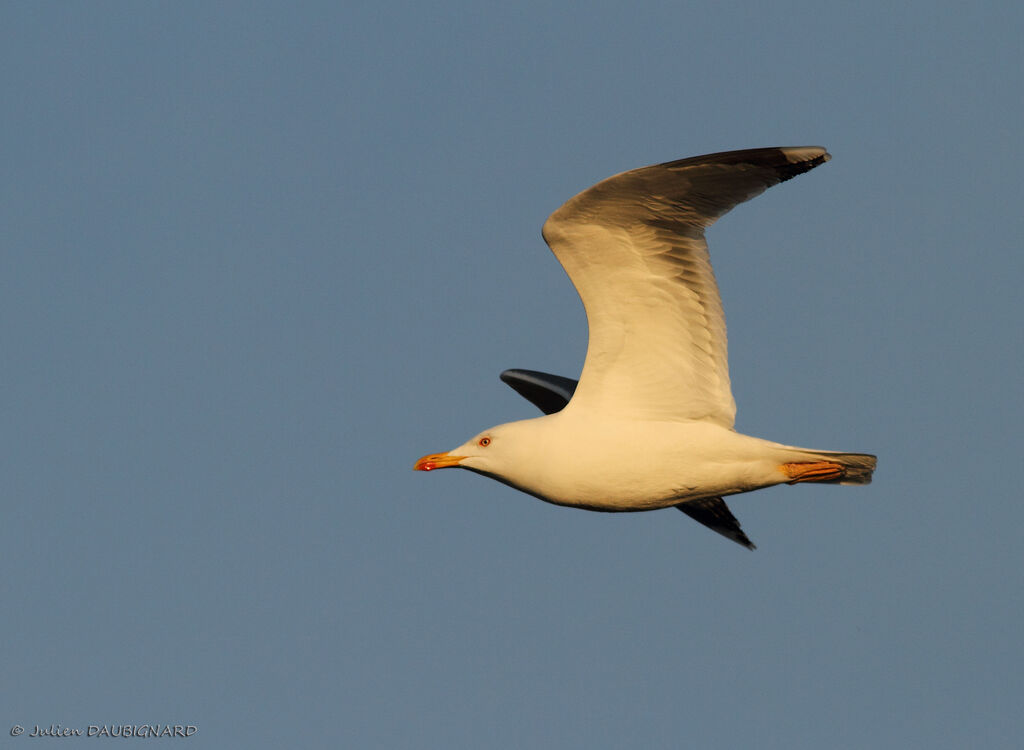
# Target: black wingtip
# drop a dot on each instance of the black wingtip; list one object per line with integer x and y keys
{"x": 786, "y": 162}
{"x": 791, "y": 169}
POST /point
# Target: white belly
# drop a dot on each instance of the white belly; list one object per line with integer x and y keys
{"x": 624, "y": 466}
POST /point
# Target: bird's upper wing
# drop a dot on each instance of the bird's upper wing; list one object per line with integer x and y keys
{"x": 633, "y": 246}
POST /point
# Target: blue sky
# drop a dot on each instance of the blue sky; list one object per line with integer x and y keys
{"x": 259, "y": 257}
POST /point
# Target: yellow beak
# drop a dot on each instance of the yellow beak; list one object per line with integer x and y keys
{"x": 437, "y": 461}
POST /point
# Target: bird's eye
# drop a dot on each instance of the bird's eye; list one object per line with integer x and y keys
{"x": 484, "y": 442}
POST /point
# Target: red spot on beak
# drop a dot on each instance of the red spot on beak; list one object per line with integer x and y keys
{"x": 437, "y": 461}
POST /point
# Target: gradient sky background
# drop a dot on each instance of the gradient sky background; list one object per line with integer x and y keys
{"x": 259, "y": 257}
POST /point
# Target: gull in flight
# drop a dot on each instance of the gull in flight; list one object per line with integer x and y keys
{"x": 650, "y": 423}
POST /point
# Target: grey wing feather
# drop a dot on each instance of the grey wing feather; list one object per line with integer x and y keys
{"x": 549, "y": 393}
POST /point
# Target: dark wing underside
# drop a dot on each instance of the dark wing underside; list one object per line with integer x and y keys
{"x": 715, "y": 514}
{"x": 550, "y": 394}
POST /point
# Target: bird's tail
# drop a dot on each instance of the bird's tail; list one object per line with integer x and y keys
{"x": 831, "y": 467}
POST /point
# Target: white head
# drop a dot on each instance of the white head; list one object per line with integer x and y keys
{"x": 506, "y": 453}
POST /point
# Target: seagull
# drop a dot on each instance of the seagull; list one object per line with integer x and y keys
{"x": 649, "y": 424}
